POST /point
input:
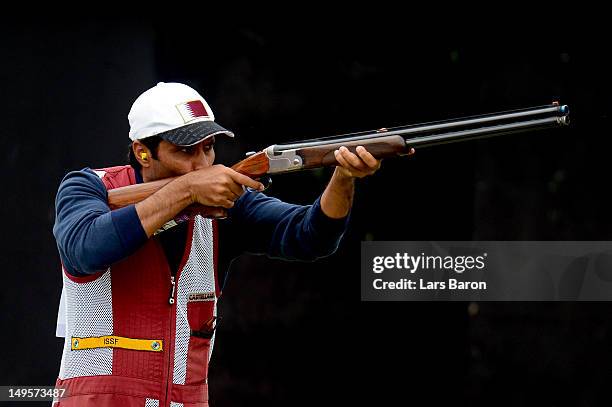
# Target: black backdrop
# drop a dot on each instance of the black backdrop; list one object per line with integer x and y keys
{"x": 295, "y": 333}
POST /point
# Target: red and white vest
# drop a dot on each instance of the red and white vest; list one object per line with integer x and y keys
{"x": 129, "y": 337}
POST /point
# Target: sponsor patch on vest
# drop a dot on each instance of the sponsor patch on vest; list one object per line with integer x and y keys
{"x": 194, "y": 297}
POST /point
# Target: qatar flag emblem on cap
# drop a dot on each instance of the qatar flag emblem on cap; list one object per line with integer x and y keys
{"x": 192, "y": 110}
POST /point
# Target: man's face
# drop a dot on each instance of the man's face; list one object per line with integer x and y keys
{"x": 173, "y": 160}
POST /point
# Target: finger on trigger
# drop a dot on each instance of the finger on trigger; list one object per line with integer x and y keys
{"x": 247, "y": 181}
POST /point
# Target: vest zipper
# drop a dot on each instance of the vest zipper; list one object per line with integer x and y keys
{"x": 173, "y": 305}
{"x": 172, "y": 290}
{"x": 171, "y": 301}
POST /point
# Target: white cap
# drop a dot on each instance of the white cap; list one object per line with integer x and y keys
{"x": 175, "y": 112}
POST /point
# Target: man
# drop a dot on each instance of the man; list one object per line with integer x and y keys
{"x": 141, "y": 283}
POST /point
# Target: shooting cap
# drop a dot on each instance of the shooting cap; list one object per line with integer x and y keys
{"x": 174, "y": 112}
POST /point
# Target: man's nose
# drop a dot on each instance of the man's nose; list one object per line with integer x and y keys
{"x": 200, "y": 160}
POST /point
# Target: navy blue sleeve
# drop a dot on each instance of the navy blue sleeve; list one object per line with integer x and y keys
{"x": 281, "y": 230}
{"x": 90, "y": 237}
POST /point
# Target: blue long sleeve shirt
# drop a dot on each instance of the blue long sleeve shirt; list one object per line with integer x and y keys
{"x": 90, "y": 237}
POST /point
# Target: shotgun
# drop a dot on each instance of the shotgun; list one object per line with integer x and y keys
{"x": 381, "y": 143}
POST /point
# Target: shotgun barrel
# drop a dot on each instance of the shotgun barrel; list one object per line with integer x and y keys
{"x": 381, "y": 143}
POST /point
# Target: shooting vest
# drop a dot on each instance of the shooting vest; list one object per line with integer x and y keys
{"x": 136, "y": 335}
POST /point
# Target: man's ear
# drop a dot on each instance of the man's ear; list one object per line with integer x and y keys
{"x": 142, "y": 153}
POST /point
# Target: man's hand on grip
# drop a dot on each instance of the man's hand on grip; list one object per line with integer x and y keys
{"x": 218, "y": 185}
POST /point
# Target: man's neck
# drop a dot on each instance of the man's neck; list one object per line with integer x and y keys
{"x": 139, "y": 178}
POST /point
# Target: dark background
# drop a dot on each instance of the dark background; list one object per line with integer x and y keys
{"x": 297, "y": 333}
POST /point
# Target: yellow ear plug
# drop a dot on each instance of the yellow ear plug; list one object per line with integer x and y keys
{"x": 143, "y": 156}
